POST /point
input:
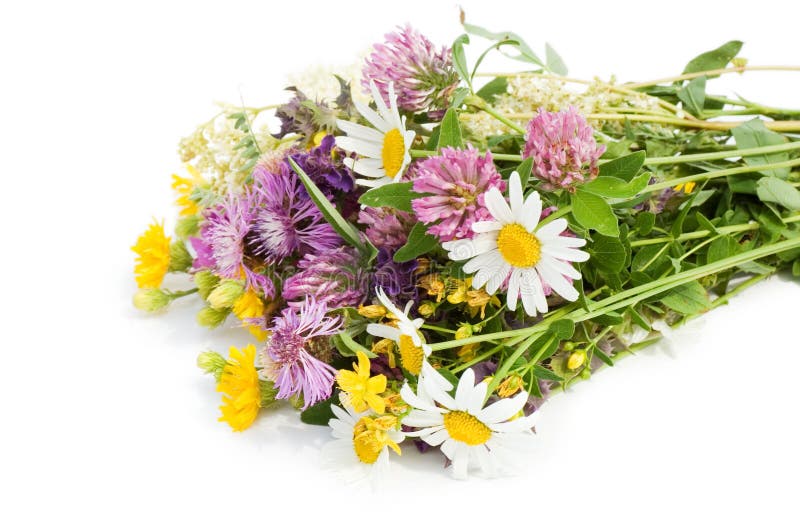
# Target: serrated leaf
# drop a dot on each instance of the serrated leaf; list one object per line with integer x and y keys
{"x": 450, "y": 131}
{"x": 318, "y": 414}
{"x": 714, "y": 59}
{"x": 754, "y": 134}
{"x": 419, "y": 243}
{"x": 689, "y": 298}
{"x": 592, "y": 212}
{"x": 344, "y": 228}
{"x": 396, "y": 195}
{"x": 625, "y": 167}
{"x": 614, "y": 187}
{"x": 774, "y": 190}
{"x": 694, "y": 95}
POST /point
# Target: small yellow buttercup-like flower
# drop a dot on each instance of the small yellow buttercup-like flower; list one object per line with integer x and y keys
{"x": 185, "y": 186}
{"x": 152, "y": 261}
{"x": 241, "y": 389}
{"x": 433, "y": 285}
{"x": 361, "y": 389}
{"x": 248, "y": 306}
{"x": 458, "y": 291}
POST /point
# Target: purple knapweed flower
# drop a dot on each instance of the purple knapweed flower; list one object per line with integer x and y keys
{"x": 332, "y": 277}
{"x": 286, "y": 221}
{"x": 423, "y": 77}
{"x": 286, "y": 357}
{"x": 324, "y": 164}
{"x": 457, "y": 180}
{"x": 395, "y": 278}
{"x": 563, "y": 148}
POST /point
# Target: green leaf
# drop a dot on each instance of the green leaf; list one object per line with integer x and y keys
{"x": 614, "y": 187}
{"x": 754, "y": 134}
{"x": 743, "y": 184}
{"x": 525, "y": 53}
{"x": 596, "y": 351}
{"x": 396, "y": 195}
{"x": 351, "y": 347}
{"x": 460, "y": 58}
{"x": 562, "y": 329}
{"x": 450, "y": 132}
{"x": 332, "y": 216}
{"x": 608, "y": 254}
{"x": 609, "y": 318}
{"x": 545, "y": 374}
{"x": 494, "y": 88}
{"x": 624, "y": 167}
{"x": 796, "y": 268}
{"x": 778, "y": 191}
{"x": 592, "y": 212}
{"x": 419, "y": 243}
{"x": 645, "y": 222}
{"x": 689, "y": 298}
{"x": 524, "y": 170}
{"x": 554, "y": 62}
{"x": 637, "y": 318}
{"x": 694, "y": 95}
{"x": 318, "y": 414}
{"x": 714, "y": 59}
{"x": 722, "y": 248}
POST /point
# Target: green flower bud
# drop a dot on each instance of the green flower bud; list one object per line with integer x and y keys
{"x": 179, "y": 258}
{"x": 268, "y": 393}
{"x": 205, "y": 282}
{"x": 188, "y": 226}
{"x": 151, "y": 299}
{"x": 225, "y": 294}
{"x": 568, "y": 346}
{"x": 212, "y": 363}
{"x": 465, "y": 331}
{"x": 427, "y": 309}
{"x": 212, "y": 318}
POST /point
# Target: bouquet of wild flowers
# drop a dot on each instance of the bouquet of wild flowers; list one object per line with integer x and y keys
{"x": 426, "y": 257}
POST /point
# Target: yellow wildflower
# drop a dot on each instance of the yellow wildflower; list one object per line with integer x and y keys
{"x": 395, "y": 404}
{"x": 467, "y": 352}
{"x": 685, "y": 187}
{"x": 371, "y": 436}
{"x": 458, "y": 291}
{"x": 152, "y": 262}
{"x": 249, "y": 306}
{"x": 510, "y": 385}
{"x": 241, "y": 389}
{"x": 478, "y": 299}
{"x": 362, "y": 390}
{"x": 185, "y": 186}
{"x": 434, "y": 285}
{"x": 372, "y": 311}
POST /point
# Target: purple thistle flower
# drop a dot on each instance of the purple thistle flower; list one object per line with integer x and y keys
{"x": 386, "y": 227}
{"x": 395, "y": 278}
{"x": 563, "y": 148}
{"x": 222, "y": 245}
{"x": 285, "y": 220}
{"x": 286, "y": 358}
{"x": 423, "y": 77}
{"x": 457, "y": 180}
{"x": 331, "y": 277}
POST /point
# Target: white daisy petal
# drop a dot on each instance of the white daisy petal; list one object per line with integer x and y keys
{"x": 515, "y": 193}
{"x": 552, "y": 229}
{"x": 490, "y": 259}
{"x": 358, "y": 131}
{"x": 437, "y": 438}
{"x": 365, "y": 148}
{"x": 414, "y": 401}
{"x": 421, "y": 419}
{"x": 500, "y": 275}
{"x": 464, "y": 390}
{"x": 497, "y": 206}
{"x": 503, "y": 409}
{"x": 460, "y": 461}
{"x": 372, "y": 117}
{"x": 513, "y": 289}
{"x": 563, "y": 241}
{"x": 448, "y": 448}
{"x": 384, "y": 331}
{"x": 429, "y": 372}
{"x": 531, "y": 211}
{"x": 486, "y": 226}
{"x": 570, "y": 254}
{"x": 481, "y": 454}
{"x": 366, "y": 167}
{"x": 381, "y": 105}
{"x": 516, "y": 425}
{"x": 564, "y": 268}
{"x": 478, "y": 398}
{"x": 557, "y": 282}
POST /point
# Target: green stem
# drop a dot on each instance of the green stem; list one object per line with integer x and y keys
{"x": 705, "y": 176}
{"x": 182, "y": 293}
{"x": 713, "y": 156}
{"x": 724, "y": 230}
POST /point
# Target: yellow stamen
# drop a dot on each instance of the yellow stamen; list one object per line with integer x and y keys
{"x": 519, "y": 247}
{"x": 411, "y": 356}
{"x": 466, "y": 428}
{"x": 393, "y": 152}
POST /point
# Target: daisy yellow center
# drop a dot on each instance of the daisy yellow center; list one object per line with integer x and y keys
{"x": 466, "y": 428}
{"x": 410, "y": 355}
{"x": 518, "y": 246}
{"x": 393, "y": 152}
{"x": 370, "y": 436}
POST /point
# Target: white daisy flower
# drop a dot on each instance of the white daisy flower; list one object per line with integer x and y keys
{"x": 414, "y": 351}
{"x": 384, "y": 150}
{"x": 362, "y": 441}
{"x": 509, "y": 247}
{"x": 468, "y": 432}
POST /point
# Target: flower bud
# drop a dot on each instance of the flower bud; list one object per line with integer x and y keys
{"x": 576, "y": 359}
{"x": 372, "y": 311}
{"x": 427, "y": 309}
{"x": 205, "y": 282}
{"x": 179, "y": 258}
{"x": 268, "y": 393}
{"x": 212, "y": 318}
{"x": 226, "y": 294}
{"x": 151, "y": 299}
{"x": 510, "y": 386}
{"x": 187, "y": 226}
{"x": 465, "y": 331}
{"x": 568, "y": 346}
{"x": 212, "y": 363}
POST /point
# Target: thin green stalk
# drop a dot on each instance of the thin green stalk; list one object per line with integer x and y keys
{"x": 706, "y": 176}
{"x": 713, "y": 156}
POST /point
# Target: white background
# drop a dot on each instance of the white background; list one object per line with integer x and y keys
{"x": 108, "y": 425}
